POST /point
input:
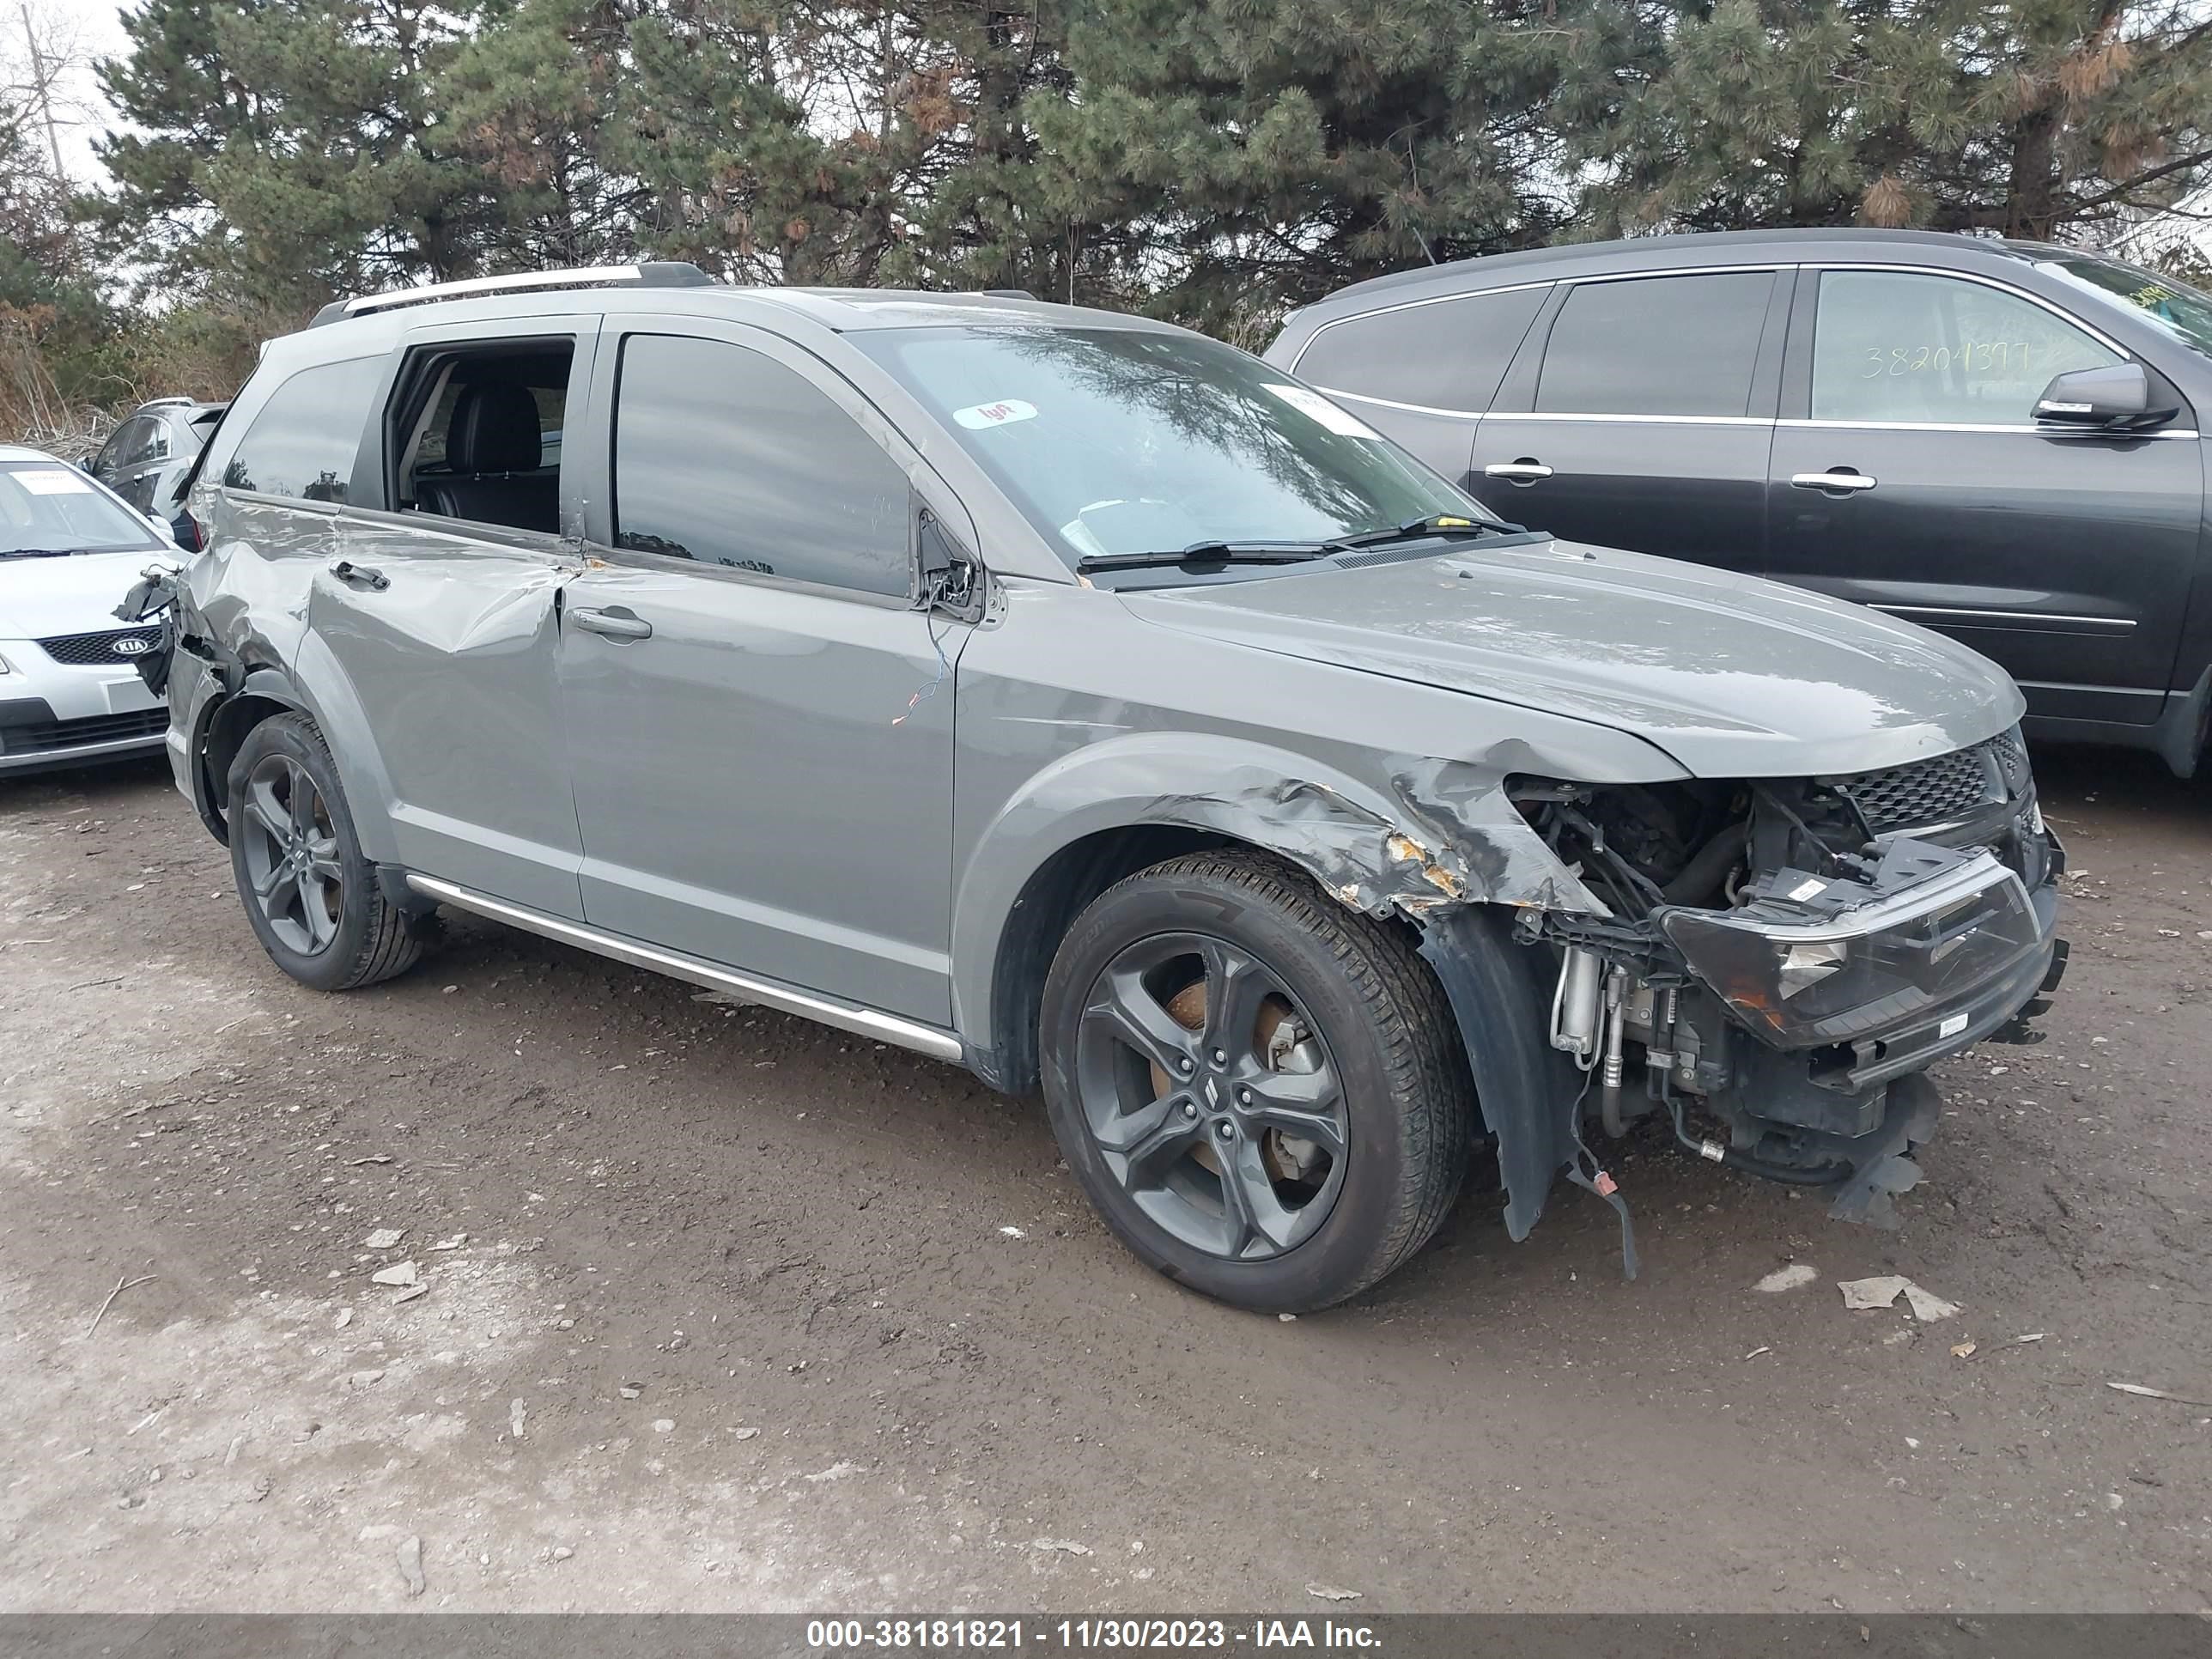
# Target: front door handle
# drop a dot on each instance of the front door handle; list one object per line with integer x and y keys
{"x": 1839, "y": 481}
{"x": 1525, "y": 470}
{"x": 615, "y": 624}
{"x": 359, "y": 576}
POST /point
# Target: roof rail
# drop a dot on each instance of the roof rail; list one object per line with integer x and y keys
{"x": 652, "y": 273}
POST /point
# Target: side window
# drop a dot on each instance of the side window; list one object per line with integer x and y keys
{"x": 725, "y": 456}
{"x": 153, "y": 444}
{"x": 302, "y": 442}
{"x": 116, "y": 452}
{"x": 1448, "y": 355}
{"x": 1655, "y": 346}
{"x": 1899, "y": 346}
{"x": 478, "y": 432}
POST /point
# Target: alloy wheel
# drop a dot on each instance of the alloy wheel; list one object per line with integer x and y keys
{"x": 292, "y": 864}
{"x": 1212, "y": 1095}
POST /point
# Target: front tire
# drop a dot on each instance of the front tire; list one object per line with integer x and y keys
{"x": 311, "y": 897}
{"x": 1261, "y": 1092}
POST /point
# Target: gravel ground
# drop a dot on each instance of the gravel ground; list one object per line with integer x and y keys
{"x": 725, "y": 1312}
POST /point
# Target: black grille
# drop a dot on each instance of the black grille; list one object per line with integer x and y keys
{"x": 83, "y": 649}
{"x": 1949, "y": 787}
{"x": 45, "y": 735}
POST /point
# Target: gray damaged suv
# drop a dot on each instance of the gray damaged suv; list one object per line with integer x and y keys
{"x": 1084, "y": 701}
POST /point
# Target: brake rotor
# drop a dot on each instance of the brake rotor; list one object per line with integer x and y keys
{"x": 1286, "y": 1158}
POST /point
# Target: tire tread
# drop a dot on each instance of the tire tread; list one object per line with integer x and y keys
{"x": 1417, "y": 1033}
{"x": 389, "y": 946}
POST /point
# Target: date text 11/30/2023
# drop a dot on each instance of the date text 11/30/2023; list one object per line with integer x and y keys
{"x": 1086, "y": 1634}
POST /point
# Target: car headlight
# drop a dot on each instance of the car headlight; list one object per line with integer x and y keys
{"x": 1872, "y": 969}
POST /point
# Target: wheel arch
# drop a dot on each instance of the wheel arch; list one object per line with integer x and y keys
{"x": 269, "y": 691}
{"x": 1405, "y": 849}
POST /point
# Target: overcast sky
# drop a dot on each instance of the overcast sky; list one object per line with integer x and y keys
{"x": 85, "y": 30}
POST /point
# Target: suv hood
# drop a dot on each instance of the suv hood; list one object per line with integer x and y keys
{"x": 1732, "y": 676}
{"x": 78, "y": 594}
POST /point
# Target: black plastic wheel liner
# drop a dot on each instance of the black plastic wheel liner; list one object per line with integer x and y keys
{"x": 1525, "y": 1088}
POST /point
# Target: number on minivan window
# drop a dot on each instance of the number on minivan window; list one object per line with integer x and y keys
{"x": 1920, "y": 349}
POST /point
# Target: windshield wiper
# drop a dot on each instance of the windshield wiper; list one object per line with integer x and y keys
{"x": 1209, "y": 553}
{"x": 1441, "y": 525}
{"x": 39, "y": 552}
{"x": 1220, "y": 552}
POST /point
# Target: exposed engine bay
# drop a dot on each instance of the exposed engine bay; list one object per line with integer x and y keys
{"x": 1785, "y": 957}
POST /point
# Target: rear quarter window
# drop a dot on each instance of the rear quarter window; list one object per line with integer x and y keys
{"x": 302, "y": 442}
{"x": 1444, "y": 353}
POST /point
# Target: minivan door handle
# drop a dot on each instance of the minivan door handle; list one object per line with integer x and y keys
{"x": 359, "y": 576}
{"x": 615, "y": 624}
{"x": 1525, "y": 470}
{"x": 1838, "y": 480}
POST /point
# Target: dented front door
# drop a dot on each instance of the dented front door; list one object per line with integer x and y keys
{"x": 448, "y": 638}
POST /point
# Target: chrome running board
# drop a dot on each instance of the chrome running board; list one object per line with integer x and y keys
{"x": 808, "y": 1005}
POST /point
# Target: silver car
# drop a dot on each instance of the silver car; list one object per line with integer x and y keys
{"x": 71, "y": 690}
{"x": 147, "y": 457}
{"x": 1079, "y": 699}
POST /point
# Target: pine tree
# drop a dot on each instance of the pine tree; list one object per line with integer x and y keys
{"x": 1277, "y": 151}
{"x": 2038, "y": 118}
{"x": 291, "y": 148}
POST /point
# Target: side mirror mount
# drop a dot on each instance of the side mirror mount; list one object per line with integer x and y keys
{"x": 2114, "y": 398}
{"x": 947, "y": 576}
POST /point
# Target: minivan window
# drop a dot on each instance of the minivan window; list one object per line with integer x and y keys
{"x": 2183, "y": 312}
{"x": 1926, "y": 351}
{"x": 1655, "y": 346}
{"x": 1444, "y": 353}
{"x": 302, "y": 442}
{"x": 725, "y": 456}
{"x": 1129, "y": 440}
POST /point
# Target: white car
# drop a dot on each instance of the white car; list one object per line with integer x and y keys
{"x": 69, "y": 549}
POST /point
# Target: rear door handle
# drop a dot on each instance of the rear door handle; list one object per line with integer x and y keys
{"x": 359, "y": 576}
{"x": 615, "y": 624}
{"x": 1525, "y": 470}
{"x": 1842, "y": 481}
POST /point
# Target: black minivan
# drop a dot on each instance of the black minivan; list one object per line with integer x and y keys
{"x": 1998, "y": 440}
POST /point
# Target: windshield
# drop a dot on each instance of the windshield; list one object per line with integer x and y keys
{"x": 1122, "y": 442}
{"x": 2182, "y": 311}
{"x": 46, "y": 507}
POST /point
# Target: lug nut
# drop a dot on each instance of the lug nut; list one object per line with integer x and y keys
{"x": 1244, "y": 1097}
{"x": 1183, "y": 1064}
{"x": 1219, "y": 1058}
{"x": 1189, "y": 1110}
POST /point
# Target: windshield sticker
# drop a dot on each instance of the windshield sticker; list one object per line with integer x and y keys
{"x": 53, "y": 481}
{"x": 978, "y": 418}
{"x": 1313, "y": 406}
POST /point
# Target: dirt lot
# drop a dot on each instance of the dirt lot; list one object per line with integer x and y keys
{"x": 724, "y": 1311}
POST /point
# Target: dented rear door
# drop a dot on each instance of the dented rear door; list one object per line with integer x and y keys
{"x": 446, "y": 637}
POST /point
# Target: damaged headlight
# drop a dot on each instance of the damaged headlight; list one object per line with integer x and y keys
{"x": 1806, "y": 965}
{"x": 1875, "y": 968}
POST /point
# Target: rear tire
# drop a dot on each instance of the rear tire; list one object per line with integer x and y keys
{"x": 1217, "y": 1015}
{"x": 311, "y": 897}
